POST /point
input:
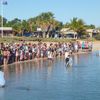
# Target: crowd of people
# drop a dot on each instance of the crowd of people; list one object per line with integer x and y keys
{"x": 16, "y": 52}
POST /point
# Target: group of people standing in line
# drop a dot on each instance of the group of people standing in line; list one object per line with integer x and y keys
{"x": 15, "y": 52}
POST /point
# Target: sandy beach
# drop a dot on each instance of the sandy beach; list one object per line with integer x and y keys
{"x": 96, "y": 45}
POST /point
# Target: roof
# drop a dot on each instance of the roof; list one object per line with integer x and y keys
{"x": 71, "y": 32}
{"x": 92, "y": 31}
{"x": 6, "y": 28}
{"x": 89, "y": 30}
{"x": 67, "y": 31}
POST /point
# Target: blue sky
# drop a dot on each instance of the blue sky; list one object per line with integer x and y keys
{"x": 64, "y": 10}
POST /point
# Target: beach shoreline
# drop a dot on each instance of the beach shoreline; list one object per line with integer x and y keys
{"x": 38, "y": 59}
{"x": 96, "y": 47}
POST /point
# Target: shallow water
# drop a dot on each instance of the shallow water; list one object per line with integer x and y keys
{"x": 47, "y": 80}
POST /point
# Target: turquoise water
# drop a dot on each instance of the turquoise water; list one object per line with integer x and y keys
{"x": 47, "y": 80}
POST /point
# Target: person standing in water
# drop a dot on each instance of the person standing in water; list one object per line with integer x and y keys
{"x": 50, "y": 55}
{"x": 66, "y": 56}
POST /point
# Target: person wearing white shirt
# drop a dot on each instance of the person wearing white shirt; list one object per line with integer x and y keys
{"x": 66, "y": 54}
{"x": 68, "y": 59}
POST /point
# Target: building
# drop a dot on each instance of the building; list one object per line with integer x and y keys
{"x": 6, "y": 31}
{"x": 68, "y": 33}
{"x": 92, "y": 32}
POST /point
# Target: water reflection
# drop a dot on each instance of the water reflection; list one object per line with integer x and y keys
{"x": 37, "y": 66}
{"x": 49, "y": 69}
{"x": 51, "y": 80}
{"x": 76, "y": 59}
{"x": 43, "y": 66}
{"x": 69, "y": 68}
{"x": 2, "y": 93}
{"x": 6, "y": 71}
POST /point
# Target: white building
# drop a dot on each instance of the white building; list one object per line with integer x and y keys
{"x": 69, "y": 33}
{"x": 92, "y": 32}
{"x": 6, "y": 31}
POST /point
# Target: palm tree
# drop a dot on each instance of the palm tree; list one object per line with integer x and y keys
{"x": 78, "y": 26}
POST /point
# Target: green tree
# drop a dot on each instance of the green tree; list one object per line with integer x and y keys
{"x": 44, "y": 20}
{"x": 25, "y": 26}
{"x": 91, "y": 26}
{"x": 78, "y": 26}
{"x": 16, "y": 25}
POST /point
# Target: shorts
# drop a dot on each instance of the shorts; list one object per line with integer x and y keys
{"x": 66, "y": 60}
